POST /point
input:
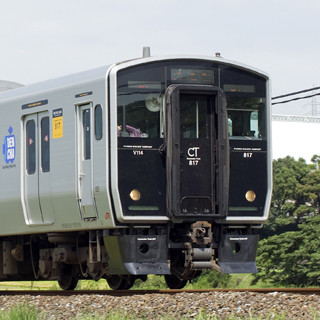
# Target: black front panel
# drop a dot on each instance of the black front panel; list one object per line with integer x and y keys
{"x": 248, "y": 172}
{"x": 141, "y": 168}
{"x": 247, "y": 117}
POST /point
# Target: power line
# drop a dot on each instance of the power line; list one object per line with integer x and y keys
{"x": 295, "y": 99}
{"x": 294, "y": 93}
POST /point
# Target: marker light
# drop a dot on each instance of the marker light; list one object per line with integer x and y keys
{"x": 135, "y": 195}
{"x": 250, "y": 196}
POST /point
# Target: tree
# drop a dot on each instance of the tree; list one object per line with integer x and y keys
{"x": 291, "y": 258}
{"x": 287, "y": 175}
{"x": 309, "y": 192}
{"x": 288, "y": 204}
{"x": 315, "y": 159}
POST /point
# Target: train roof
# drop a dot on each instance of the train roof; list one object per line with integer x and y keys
{"x": 100, "y": 73}
{"x": 8, "y": 85}
{"x": 217, "y": 59}
{"x": 56, "y": 83}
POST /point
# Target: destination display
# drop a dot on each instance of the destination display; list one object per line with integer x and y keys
{"x": 156, "y": 85}
{"x": 239, "y": 88}
{"x": 192, "y": 76}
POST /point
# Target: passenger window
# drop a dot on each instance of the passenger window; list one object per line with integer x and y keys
{"x": 98, "y": 122}
{"x": 86, "y": 134}
{"x": 31, "y": 147}
{"x": 45, "y": 145}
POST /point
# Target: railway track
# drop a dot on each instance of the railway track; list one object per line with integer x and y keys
{"x": 304, "y": 291}
{"x": 293, "y": 303}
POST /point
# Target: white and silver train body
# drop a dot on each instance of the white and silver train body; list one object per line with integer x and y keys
{"x": 157, "y": 165}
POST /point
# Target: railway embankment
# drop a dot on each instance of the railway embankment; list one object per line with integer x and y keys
{"x": 180, "y": 305}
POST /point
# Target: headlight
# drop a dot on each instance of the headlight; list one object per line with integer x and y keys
{"x": 135, "y": 195}
{"x": 250, "y": 196}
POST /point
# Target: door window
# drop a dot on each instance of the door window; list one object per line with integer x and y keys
{"x": 86, "y": 134}
{"x": 45, "y": 145}
{"x": 31, "y": 147}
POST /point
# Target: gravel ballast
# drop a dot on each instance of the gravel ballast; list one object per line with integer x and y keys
{"x": 179, "y": 305}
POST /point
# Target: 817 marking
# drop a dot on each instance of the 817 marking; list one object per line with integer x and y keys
{"x": 193, "y": 162}
{"x": 247, "y": 154}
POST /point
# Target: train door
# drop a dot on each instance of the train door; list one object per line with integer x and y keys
{"x": 197, "y": 147}
{"x": 37, "y": 168}
{"x": 85, "y": 161}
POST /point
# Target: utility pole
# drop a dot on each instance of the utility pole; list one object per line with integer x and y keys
{"x": 314, "y": 105}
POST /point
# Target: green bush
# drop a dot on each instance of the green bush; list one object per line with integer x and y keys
{"x": 21, "y": 312}
{"x": 210, "y": 279}
{"x": 207, "y": 280}
{"x": 153, "y": 283}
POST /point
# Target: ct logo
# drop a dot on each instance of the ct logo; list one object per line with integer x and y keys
{"x": 193, "y": 152}
{"x": 193, "y": 156}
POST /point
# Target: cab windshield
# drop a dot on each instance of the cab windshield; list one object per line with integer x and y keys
{"x": 141, "y": 93}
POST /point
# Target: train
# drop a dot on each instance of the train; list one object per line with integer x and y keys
{"x": 156, "y": 165}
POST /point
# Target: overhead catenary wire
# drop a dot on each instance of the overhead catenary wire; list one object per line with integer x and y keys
{"x": 295, "y": 93}
{"x": 295, "y": 99}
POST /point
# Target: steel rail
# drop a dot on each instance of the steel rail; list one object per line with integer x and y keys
{"x": 304, "y": 291}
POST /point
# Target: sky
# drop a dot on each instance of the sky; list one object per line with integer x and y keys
{"x": 291, "y": 138}
{"x": 44, "y": 39}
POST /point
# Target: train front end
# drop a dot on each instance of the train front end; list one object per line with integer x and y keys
{"x": 190, "y": 166}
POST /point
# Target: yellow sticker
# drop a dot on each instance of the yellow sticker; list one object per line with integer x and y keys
{"x": 57, "y": 127}
{"x": 57, "y": 123}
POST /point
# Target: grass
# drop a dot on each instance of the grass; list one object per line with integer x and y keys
{"x": 239, "y": 281}
{"x": 21, "y": 312}
{"x": 26, "y": 312}
{"x": 52, "y": 285}
{"x": 29, "y": 285}
{"x": 243, "y": 281}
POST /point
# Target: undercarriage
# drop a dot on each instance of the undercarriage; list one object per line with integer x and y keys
{"x": 179, "y": 252}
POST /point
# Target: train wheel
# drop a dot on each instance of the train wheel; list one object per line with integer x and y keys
{"x": 120, "y": 282}
{"x": 67, "y": 280}
{"x": 174, "y": 282}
